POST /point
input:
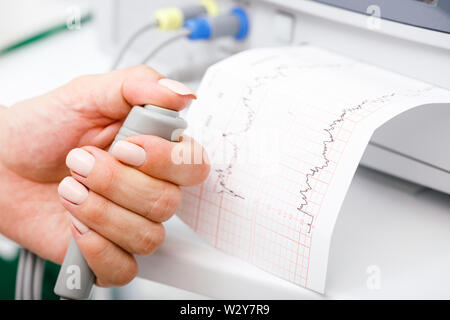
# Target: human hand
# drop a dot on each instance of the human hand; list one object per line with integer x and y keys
{"x": 116, "y": 201}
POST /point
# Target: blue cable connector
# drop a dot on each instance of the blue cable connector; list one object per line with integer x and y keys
{"x": 243, "y": 23}
{"x": 200, "y": 28}
{"x": 235, "y": 24}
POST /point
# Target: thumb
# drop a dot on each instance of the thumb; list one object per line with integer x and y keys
{"x": 114, "y": 93}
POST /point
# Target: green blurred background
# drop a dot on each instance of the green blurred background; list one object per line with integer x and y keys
{"x": 8, "y": 270}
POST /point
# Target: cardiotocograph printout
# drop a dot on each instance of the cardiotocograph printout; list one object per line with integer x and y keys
{"x": 285, "y": 129}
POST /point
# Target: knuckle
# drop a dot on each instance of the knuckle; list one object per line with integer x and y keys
{"x": 160, "y": 235}
{"x": 142, "y": 69}
{"x": 125, "y": 269}
{"x": 105, "y": 182}
{"x": 97, "y": 215}
{"x": 95, "y": 210}
{"x": 151, "y": 239}
{"x": 75, "y": 88}
{"x": 166, "y": 204}
{"x": 203, "y": 171}
{"x": 127, "y": 272}
{"x": 146, "y": 244}
{"x": 97, "y": 248}
{"x": 79, "y": 80}
{"x": 199, "y": 167}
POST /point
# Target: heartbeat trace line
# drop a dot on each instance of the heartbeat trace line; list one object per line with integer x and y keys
{"x": 224, "y": 174}
{"x": 316, "y": 169}
{"x": 246, "y": 101}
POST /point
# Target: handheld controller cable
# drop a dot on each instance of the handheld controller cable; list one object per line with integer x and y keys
{"x": 234, "y": 24}
{"x": 168, "y": 19}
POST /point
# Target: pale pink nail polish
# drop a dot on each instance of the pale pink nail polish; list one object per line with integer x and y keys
{"x": 73, "y": 191}
{"x": 177, "y": 87}
{"x": 80, "y": 161}
{"x": 81, "y": 227}
{"x": 129, "y": 153}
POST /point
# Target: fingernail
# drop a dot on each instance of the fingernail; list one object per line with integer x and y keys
{"x": 129, "y": 153}
{"x": 80, "y": 161}
{"x": 177, "y": 87}
{"x": 73, "y": 191}
{"x": 78, "y": 225}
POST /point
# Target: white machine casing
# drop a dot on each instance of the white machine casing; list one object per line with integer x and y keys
{"x": 409, "y": 146}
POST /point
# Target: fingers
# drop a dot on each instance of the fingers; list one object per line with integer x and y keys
{"x": 117, "y": 206}
{"x": 184, "y": 163}
{"x": 114, "y": 93}
{"x": 130, "y": 231}
{"x": 111, "y": 265}
{"x": 129, "y": 188}
{"x": 108, "y": 234}
{"x": 164, "y": 93}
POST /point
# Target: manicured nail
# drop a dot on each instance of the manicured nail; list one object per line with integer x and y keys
{"x": 129, "y": 153}
{"x": 177, "y": 87}
{"x": 73, "y": 191}
{"x": 80, "y": 161}
{"x": 78, "y": 225}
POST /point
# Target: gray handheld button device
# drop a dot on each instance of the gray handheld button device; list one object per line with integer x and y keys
{"x": 75, "y": 278}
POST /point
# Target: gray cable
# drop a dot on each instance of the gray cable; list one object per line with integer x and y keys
{"x": 177, "y": 35}
{"x": 131, "y": 39}
{"x": 28, "y": 276}
{"x": 30, "y": 273}
{"x": 19, "y": 276}
{"x": 38, "y": 278}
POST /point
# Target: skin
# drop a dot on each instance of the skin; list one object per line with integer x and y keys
{"x": 126, "y": 204}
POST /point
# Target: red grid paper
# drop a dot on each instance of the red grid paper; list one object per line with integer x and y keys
{"x": 264, "y": 228}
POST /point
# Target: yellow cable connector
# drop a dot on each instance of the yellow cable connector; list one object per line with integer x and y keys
{"x": 169, "y": 18}
{"x": 211, "y": 7}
